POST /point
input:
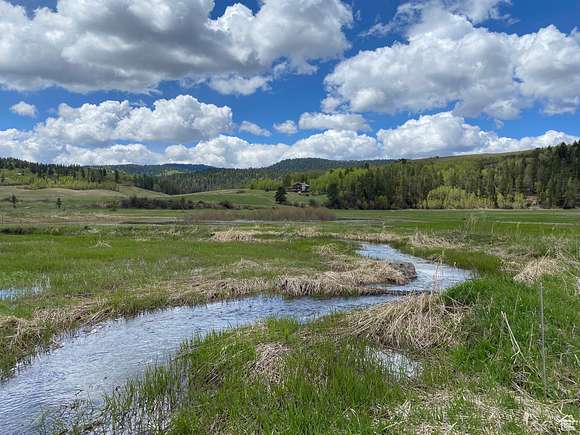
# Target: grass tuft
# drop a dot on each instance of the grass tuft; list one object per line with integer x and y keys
{"x": 417, "y": 323}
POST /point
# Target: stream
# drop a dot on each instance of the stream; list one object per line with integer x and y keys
{"x": 93, "y": 362}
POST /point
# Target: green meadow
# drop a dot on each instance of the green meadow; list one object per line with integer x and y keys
{"x": 478, "y": 345}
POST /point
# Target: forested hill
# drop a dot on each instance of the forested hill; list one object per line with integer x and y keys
{"x": 285, "y": 166}
{"x": 547, "y": 177}
{"x": 160, "y": 169}
{"x": 173, "y": 182}
{"x": 313, "y": 164}
{"x": 39, "y": 175}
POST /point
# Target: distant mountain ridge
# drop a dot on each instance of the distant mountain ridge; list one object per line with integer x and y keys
{"x": 284, "y": 166}
{"x": 160, "y": 169}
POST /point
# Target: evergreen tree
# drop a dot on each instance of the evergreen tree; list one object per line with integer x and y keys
{"x": 571, "y": 193}
{"x": 58, "y": 203}
{"x": 332, "y": 194}
{"x": 280, "y": 195}
{"x": 13, "y": 200}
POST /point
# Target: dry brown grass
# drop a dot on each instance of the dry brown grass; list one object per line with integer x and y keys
{"x": 307, "y": 233}
{"x": 441, "y": 408}
{"x": 218, "y": 289}
{"x": 535, "y": 269}
{"x": 372, "y": 271}
{"x": 327, "y": 250}
{"x": 245, "y": 264}
{"x": 555, "y": 262}
{"x": 269, "y": 362}
{"x": 20, "y": 336}
{"x": 101, "y": 244}
{"x": 235, "y": 235}
{"x": 346, "y": 282}
{"x": 423, "y": 240}
{"x": 329, "y": 283}
{"x": 418, "y": 322}
{"x": 382, "y": 237}
{"x": 252, "y": 235}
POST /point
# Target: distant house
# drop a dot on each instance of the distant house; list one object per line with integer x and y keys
{"x": 301, "y": 187}
{"x": 532, "y": 201}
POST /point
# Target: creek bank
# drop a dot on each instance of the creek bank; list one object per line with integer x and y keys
{"x": 90, "y": 364}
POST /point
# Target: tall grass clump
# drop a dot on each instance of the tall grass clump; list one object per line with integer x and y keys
{"x": 417, "y": 323}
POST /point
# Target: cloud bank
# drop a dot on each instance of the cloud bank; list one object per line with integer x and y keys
{"x": 447, "y": 60}
{"x": 132, "y": 45}
{"x": 115, "y": 132}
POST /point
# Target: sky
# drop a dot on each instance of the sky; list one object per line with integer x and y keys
{"x": 248, "y": 83}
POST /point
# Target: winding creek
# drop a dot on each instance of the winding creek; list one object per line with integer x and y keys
{"x": 91, "y": 363}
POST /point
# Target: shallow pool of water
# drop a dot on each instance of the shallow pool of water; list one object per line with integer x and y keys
{"x": 7, "y": 293}
{"x": 94, "y": 362}
{"x": 12, "y": 293}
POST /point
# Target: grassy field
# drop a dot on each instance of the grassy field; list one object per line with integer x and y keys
{"x": 248, "y": 197}
{"x": 478, "y": 345}
{"x": 46, "y": 198}
{"x": 39, "y": 206}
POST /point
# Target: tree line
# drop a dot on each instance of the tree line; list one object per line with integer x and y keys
{"x": 168, "y": 204}
{"x": 547, "y": 177}
{"x": 269, "y": 178}
{"x": 39, "y": 175}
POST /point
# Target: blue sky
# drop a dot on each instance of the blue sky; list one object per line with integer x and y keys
{"x": 491, "y": 75}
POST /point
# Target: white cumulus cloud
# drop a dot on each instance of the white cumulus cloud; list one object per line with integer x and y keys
{"x": 237, "y": 85}
{"x": 336, "y": 145}
{"x": 182, "y": 119}
{"x": 132, "y": 45}
{"x": 256, "y": 130}
{"x": 24, "y": 109}
{"x": 228, "y": 151}
{"x": 447, "y": 60}
{"x": 286, "y": 127}
{"x": 110, "y": 155}
{"x": 333, "y": 121}
{"x": 447, "y": 134}
{"x": 429, "y": 135}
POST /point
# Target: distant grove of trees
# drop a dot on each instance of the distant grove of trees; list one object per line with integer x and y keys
{"x": 169, "y": 204}
{"x": 549, "y": 176}
{"x": 269, "y": 178}
{"x": 39, "y": 175}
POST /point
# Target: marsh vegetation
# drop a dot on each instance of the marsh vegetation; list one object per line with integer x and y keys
{"x": 478, "y": 344}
